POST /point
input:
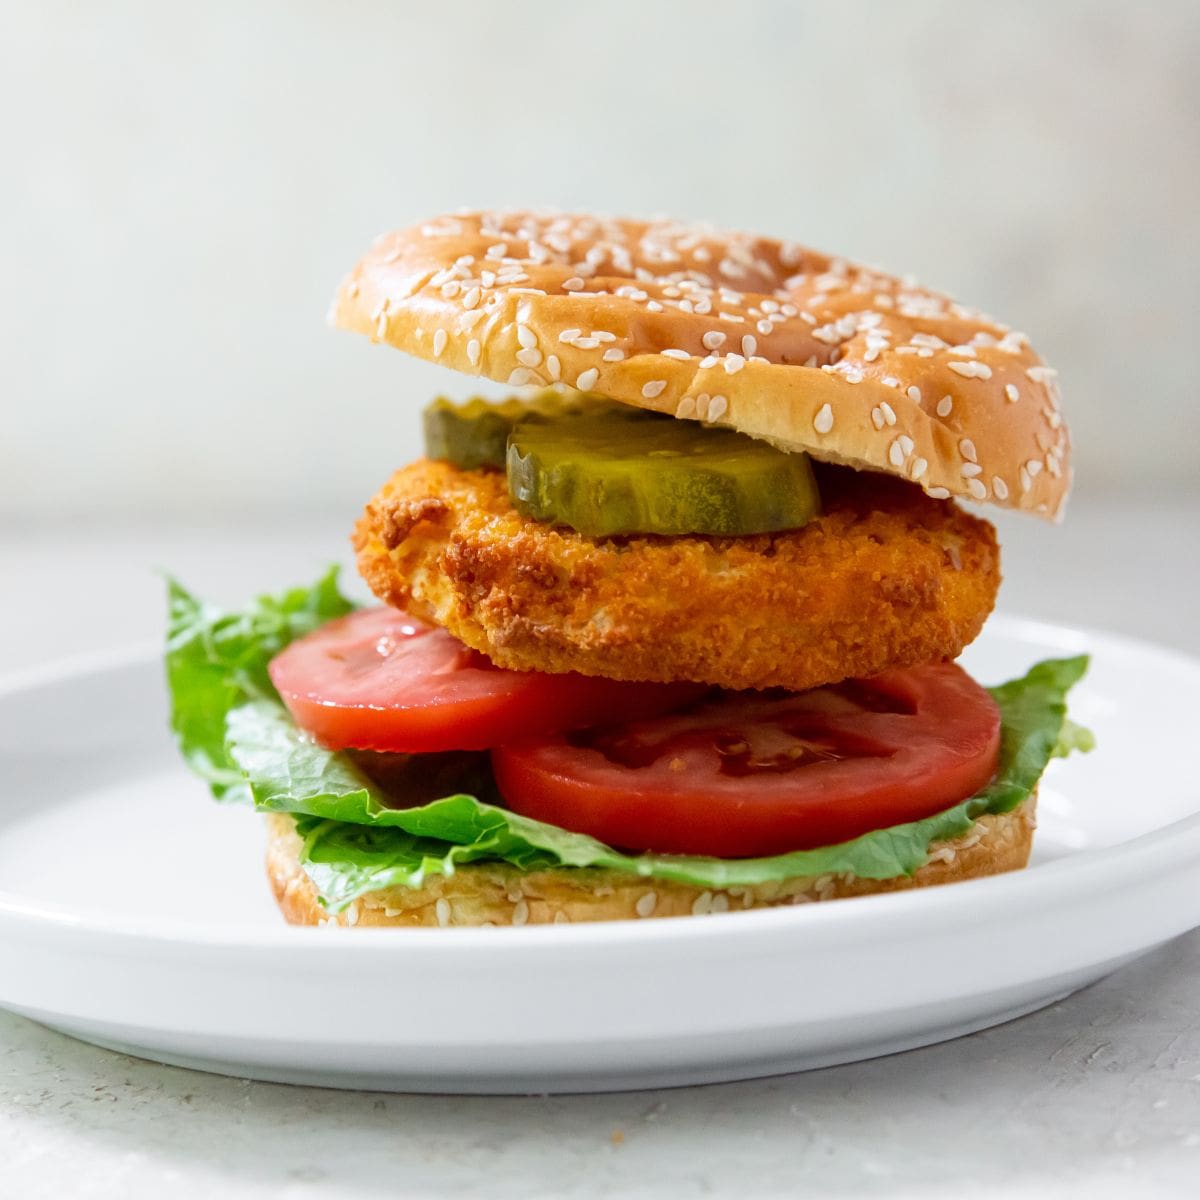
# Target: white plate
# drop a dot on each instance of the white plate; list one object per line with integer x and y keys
{"x": 134, "y": 914}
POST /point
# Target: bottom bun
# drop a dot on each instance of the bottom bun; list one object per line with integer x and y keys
{"x": 498, "y": 894}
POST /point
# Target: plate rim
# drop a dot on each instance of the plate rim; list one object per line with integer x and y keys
{"x": 1167, "y": 848}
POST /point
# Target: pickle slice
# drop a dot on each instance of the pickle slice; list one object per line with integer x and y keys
{"x": 621, "y": 472}
{"x": 474, "y": 434}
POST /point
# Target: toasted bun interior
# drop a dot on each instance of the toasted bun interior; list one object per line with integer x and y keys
{"x": 497, "y": 894}
{"x": 771, "y": 338}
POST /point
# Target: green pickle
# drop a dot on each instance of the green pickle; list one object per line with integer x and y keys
{"x": 474, "y": 434}
{"x": 623, "y": 471}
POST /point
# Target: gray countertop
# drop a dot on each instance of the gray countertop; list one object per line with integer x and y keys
{"x": 1098, "y": 1095}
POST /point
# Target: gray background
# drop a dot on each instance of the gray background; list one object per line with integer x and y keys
{"x": 185, "y": 185}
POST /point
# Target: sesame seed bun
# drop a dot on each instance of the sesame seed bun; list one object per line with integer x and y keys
{"x": 767, "y": 337}
{"x": 498, "y": 894}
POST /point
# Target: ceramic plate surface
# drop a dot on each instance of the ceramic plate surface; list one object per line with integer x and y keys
{"x": 134, "y": 913}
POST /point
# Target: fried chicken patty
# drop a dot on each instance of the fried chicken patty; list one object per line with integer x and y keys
{"x": 885, "y": 577}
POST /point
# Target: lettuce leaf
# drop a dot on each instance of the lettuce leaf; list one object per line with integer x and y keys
{"x": 236, "y": 733}
{"x": 216, "y": 661}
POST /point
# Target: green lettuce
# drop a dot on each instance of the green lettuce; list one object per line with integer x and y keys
{"x": 358, "y": 837}
{"x": 217, "y": 661}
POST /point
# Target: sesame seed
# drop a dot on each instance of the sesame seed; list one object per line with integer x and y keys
{"x": 1026, "y": 481}
{"x": 686, "y": 407}
{"x": 585, "y": 343}
{"x": 977, "y": 489}
{"x": 530, "y": 358}
{"x": 472, "y": 297}
{"x": 569, "y": 335}
{"x": 714, "y": 339}
{"x": 907, "y": 444}
{"x": 702, "y": 402}
{"x": 655, "y": 387}
{"x": 521, "y": 377}
{"x": 896, "y": 454}
{"x": 526, "y": 337}
{"x": 890, "y": 381}
{"x": 487, "y": 278}
{"x": 938, "y": 493}
{"x": 702, "y": 905}
{"x": 971, "y": 370}
{"x": 442, "y": 910}
{"x": 877, "y": 418}
{"x": 914, "y": 394}
{"x": 945, "y": 405}
{"x": 473, "y": 352}
{"x": 574, "y": 284}
{"x": 553, "y": 367}
{"x": 1034, "y": 467}
{"x": 969, "y": 469}
{"x": 999, "y": 487}
{"x": 823, "y": 421}
{"x": 717, "y": 407}
{"x": 764, "y": 327}
{"x": 1041, "y": 374}
{"x": 613, "y": 355}
{"x": 889, "y": 413}
{"x": 682, "y": 354}
{"x": 646, "y": 904}
{"x": 587, "y": 380}
{"x": 520, "y": 913}
{"x": 439, "y": 343}
{"x": 710, "y": 361}
{"x": 1012, "y": 392}
{"x": 733, "y": 363}
{"x": 967, "y": 449}
{"x": 919, "y": 467}
{"x": 749, "y": 345}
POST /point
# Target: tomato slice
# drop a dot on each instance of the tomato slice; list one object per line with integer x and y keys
{"x": 380, "y": 679}
{"x": 754, "y": 774}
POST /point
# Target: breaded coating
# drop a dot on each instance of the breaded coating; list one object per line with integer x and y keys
{"x": 886, "y": 577}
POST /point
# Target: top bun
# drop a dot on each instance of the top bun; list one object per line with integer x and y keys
{"x": 767, "y": 337}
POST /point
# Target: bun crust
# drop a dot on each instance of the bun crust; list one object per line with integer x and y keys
{"x": 497, "y": 894}
{"x": 767, "y": 337}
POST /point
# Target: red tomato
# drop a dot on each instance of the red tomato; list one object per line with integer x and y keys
{"x": 379, "y": 679}
{"x": 753, "y": 774}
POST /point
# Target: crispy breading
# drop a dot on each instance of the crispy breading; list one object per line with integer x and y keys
{"x": 885, "y": 577}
